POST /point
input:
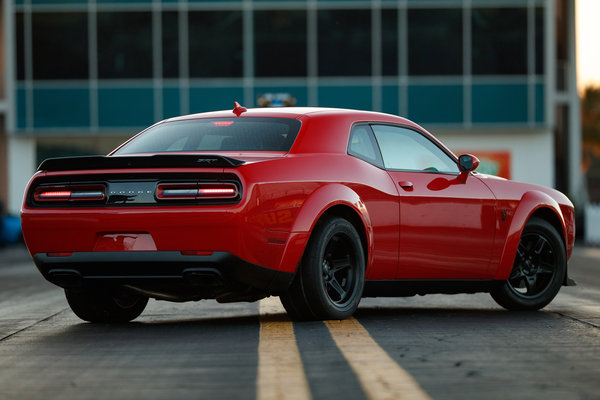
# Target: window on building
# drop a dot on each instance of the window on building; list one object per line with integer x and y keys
{"x": 344, "y": 38}
{"x": 124, "y": 45}
{"x": 405, "y": 149}
{"x": 19, "y": 26}
{"x": 280, "y": 43}
{"x": 60, "y": 45}
{"x": 389, "y": 42}
{"x": 499, "y": 41}
{"x": 539, "y": 41}
{"x": 170, "y": 44}
{"x": 215, "y": 44}
{"x": 562, "y": 45}
{"x": 435, "y": 41}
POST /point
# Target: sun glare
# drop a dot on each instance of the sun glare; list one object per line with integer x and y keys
{"x": 588, "y": 46}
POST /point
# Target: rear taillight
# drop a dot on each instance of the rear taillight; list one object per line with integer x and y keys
{"x": 196, "y": 191}
{"x": 70, "y": 193}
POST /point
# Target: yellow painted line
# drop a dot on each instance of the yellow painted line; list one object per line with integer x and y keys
{"x": 281, "y": 373}
{"x": 379, "y": 375}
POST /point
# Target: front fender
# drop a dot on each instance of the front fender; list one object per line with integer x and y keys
{"x": 314, "y": 207}
{"x": 531, "y": 202}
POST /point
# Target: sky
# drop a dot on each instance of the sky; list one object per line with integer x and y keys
{"x": 588, "y": 43}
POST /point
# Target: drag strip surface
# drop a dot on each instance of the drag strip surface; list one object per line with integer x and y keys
{"x": 438, "y": 347}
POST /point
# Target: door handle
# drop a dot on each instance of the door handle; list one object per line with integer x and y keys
{"x": 406, "y": 185}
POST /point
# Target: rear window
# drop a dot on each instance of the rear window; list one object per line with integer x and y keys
{"x": 216, "y": 134}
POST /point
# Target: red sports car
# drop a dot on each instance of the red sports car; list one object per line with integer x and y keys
{"x": 320, "y": 207}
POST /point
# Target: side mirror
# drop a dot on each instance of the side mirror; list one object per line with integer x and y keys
{"x": 466, "y": 164}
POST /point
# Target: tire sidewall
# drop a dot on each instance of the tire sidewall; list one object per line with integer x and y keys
{"x": 507, "y": 297}
{"x": 321, "y": 305}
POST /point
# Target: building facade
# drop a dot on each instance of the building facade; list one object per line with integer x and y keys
{"x": 492, "y": 77}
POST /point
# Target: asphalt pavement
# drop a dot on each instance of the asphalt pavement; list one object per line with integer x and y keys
{"x": 424, "y": 347}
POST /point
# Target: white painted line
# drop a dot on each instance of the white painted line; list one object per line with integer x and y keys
{"x": 281, "y": 373}
{"x": 379, "y": 375}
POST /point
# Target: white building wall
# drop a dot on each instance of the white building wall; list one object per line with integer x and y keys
{"x": 531, "y": 152}
{"x": 21, "y": 166}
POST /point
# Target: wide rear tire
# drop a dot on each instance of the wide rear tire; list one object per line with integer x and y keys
{"x": 331, "y": 277}
{"x": 110, "y": 305}
{"x": 539, "y": 269}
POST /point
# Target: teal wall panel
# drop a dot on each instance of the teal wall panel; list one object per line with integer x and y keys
{"x": 171, "y": 102}
{"x": 21, "y": 108}
{"x": 61, "y": 108}
{"x": 125, "y": 107}
{"x": 214, "y": 98}
{"x": 389, "y": 99}
{"x": 123, "y": 1}
{"x": 440, "y": 3}
{"x": 55, "y": 2}
{"x": 499, "y": 103}
{"x": 355, "y": 97}
{"x": 437, "y": 104}
{"x": 540, "y": 103}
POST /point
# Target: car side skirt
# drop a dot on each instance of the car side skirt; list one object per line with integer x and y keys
{"x": 411, "y": 287}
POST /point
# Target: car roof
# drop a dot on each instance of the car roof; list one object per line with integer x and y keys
{"x": 299, "y": 113}
{"x": 336, "y": 122}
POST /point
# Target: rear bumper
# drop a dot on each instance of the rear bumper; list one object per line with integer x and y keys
{"x": 168, "y": 275}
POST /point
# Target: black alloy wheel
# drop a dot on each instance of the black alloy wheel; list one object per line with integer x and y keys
{"x": 538, "y": 271}
{"x": 330, "y": 281}
{"x": 339, "y": 276}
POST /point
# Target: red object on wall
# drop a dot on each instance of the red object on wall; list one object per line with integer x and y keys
{"x": 495, "y": 163}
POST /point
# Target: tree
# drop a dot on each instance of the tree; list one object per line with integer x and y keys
{"x": 590, "y": 124}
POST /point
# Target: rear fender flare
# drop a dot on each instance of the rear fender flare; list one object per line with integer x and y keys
{"x": 531, "y": 202}
{"x": 312, "y": 210}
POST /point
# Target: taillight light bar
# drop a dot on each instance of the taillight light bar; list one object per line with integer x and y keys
{"x": 70, "y": 193}
{"x": 196, "y": 191}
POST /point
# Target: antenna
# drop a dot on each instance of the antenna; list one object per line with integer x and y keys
{"x": 238, "y": 109}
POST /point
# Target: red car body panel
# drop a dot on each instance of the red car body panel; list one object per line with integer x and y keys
{"x": 435, "y": 228}
{"x": 447, "y": 229}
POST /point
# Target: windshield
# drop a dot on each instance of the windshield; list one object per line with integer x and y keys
{"x": 216, "y": 134}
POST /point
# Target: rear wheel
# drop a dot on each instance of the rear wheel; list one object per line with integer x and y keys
{"x": 539, "y": 269}
{"x": 330, "y": 281}
{"x": 111, "y": 305}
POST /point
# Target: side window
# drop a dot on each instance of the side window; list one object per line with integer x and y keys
{"x": 362, "y": 145}
{"x": 405, "y": 149}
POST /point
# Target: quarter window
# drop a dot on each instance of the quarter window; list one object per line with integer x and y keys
{"x": 362, "y": 145}
{"x": 405, "y": 149}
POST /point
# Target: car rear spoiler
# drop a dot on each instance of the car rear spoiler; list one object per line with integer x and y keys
{"x": 154, "y": 161}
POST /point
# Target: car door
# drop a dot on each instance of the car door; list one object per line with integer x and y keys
{"x": 446, "y": 227}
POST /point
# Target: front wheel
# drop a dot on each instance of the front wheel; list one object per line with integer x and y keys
{"x": 539, "y": 269}
{"x": 330, "y": 280}
{"x": 110, "y": 305}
